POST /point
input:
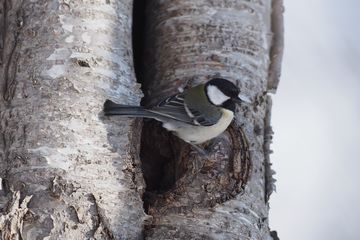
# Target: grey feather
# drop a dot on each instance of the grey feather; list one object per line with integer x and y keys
{"x": 173, "y": 108}
{"x": 111, "y": 108}
{"x": 163, "y": 113}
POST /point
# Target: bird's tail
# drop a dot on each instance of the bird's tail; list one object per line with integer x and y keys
{"x": 111, "y": 108}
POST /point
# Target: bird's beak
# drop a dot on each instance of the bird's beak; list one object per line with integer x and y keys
{"x": 241, "y": 99}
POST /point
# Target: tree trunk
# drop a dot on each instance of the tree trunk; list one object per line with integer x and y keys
{"x": 186, "y": 43}
{"x": 68, "y": 172}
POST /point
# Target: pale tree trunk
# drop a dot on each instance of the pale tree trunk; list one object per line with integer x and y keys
{"x": 68, "y": 172}
{"x": 189, "y": 42}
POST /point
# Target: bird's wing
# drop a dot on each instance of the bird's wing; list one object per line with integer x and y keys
{"x": 177, "y": 108}
{"x": 173, "y": 107}
{"x": 203, "y": 119}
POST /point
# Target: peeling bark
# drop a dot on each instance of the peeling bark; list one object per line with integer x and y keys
{"x": 60, "y": 61}
{"x": 11, "y": 222}
{"x": 277, "y": 44}
{"x": 268, "y": 133}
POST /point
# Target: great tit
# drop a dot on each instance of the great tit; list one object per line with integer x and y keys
{"x": 195, "y": 115}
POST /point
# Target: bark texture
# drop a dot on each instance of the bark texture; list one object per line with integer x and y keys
{"x": 67, "y": 172}
{"x": 187, "y": 43}
{"x": 277, "y": 44}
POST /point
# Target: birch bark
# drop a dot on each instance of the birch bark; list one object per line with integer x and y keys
{"x": 187, "y": 43}
{"x": 67, "y": 172}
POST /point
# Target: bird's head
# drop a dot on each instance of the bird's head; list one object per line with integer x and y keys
{"x": 222, "y": 92}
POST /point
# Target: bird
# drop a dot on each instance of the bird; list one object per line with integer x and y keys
{"x": 196, "y": 115}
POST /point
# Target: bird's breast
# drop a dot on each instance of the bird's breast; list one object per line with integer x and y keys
{"x": 200, "y": 134}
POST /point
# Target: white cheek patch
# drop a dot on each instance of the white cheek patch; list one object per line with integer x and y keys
{"x": 216, "y": 96}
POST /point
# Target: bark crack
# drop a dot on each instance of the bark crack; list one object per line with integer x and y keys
{"x": 13, "y": 21}
{"x": 241, "y": 159}
{"x": 7, "y": 139}
{"x": 3, "y": 27}
{"x": 100, "y": 227}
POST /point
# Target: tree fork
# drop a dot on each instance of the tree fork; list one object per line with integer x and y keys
{"x": 68, "y": 172}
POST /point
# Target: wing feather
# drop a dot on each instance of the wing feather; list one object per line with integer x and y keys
{"x": 177, "y": 108}
{"x": 173, "y": 107}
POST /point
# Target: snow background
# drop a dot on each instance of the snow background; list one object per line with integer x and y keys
{"x": 316, "y": 117}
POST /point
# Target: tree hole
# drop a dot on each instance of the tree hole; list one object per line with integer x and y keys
{"x": 83, "y": 63}
{"x": 160, "y": 150}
